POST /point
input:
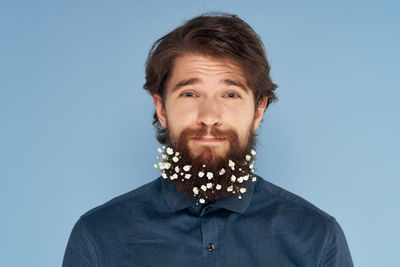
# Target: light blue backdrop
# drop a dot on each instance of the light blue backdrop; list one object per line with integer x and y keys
{"x": 76, "y": 124}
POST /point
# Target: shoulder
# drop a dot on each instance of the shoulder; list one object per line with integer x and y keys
{"x": 100, "y": 228}
{"x": 291, "y": 217}
{"x": 285, "y": 210}
{"x": 268, "y": 192}
{"x": 141, "y": 199}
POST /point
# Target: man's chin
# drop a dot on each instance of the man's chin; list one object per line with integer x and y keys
{"x": 208, "y": 172}
{"x": 208, "y": 154}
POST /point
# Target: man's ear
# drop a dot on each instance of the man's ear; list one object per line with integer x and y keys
{"x": 160, "y": 110}
{"x": 258, "y": 116}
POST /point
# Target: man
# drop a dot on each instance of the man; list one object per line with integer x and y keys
{"x": 210, "y": 84}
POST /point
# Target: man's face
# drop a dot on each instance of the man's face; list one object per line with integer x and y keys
{"x": 208, "y": 93}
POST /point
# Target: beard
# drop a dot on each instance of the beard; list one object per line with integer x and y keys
{"x": 208, "y": 176}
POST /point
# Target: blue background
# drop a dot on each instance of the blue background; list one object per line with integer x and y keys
{"x": 76, "y": 124}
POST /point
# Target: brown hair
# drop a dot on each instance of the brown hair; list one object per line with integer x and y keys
{"x": 213, "y": 34}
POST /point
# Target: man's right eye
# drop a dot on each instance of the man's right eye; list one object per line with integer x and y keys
{"x": 188, "y": 94}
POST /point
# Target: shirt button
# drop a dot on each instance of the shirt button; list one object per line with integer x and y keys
{"x": 210, "y": 247}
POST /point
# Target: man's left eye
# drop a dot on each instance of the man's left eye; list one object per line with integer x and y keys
{"x": 232, "y": 95}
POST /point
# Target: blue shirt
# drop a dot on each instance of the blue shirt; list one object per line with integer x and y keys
{"x": 155, "y": 225}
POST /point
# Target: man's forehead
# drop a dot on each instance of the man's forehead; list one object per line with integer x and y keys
{"x": 191, "y": 62}
{"x": 190, "y": 69}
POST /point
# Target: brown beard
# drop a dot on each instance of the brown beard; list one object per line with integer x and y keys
{"x": 208, "y": 162}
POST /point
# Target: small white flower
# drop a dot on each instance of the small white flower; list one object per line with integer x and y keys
{"x": 239, "y": 197}
{"x": 174, "y": 176}
{"x": 159, "y": 150}
{"x": 195, "y": 190}
{"x": 176, "y": 169}
{"x": 218, "y": 186}
{"x": 254, "y": 179}
{"x": 251, "y": 166}
{"x": 202, "y": 201}
{"x": 253, "y": 152}
{"x": 176, "y": 153}
{"x": 170, "y": 151}
{"x": 161, "y": 165}
{"x": 240, "y": 179}
{"x": 229, "y": 189}
{"x": 164, "y": 156}
{"x": 155, "y": 165}
{"x": 187, "y": 175}
{"x": 167, "y": 165}
{"x": 246, "y": 177}
{"x": 209, "y": 185}
{"x": 186, "y": 168}
{"x": 175, "y": 159}
{"x": 231, "y": 164}
{"x": 201, "y": 174}
{"x": 210, "y": 175}
{"x": 164, "y": 175}
{"x": 248, "y": 157}
{"x": 242, "y": 190}
{"x": 203, "y": 187}
{"x": 233, "y": 178}
{"x": 222, "y": 171}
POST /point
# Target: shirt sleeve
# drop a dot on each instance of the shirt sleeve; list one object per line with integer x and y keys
{"x": 80, "y": 251}
{"x": 336, "y": 252}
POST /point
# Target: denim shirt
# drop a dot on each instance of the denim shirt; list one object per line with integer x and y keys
{"x": 155, "y": 225}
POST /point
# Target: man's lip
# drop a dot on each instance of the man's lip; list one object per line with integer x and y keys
{"x": 208, "y": 139}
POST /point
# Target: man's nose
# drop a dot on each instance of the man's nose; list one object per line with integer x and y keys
{"x": 209, "y": 113}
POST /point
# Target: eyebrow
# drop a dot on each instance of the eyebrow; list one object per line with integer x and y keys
{"x": 184, "y": 83}
{"x": 192, "y": 81}
{"x": 235, "y": 83}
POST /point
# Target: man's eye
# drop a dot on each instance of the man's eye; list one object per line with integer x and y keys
{"x": 232, "y": 95}
{"x": 188, "y": 94}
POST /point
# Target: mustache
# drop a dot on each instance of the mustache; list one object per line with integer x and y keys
{"x": 213, "y": 131}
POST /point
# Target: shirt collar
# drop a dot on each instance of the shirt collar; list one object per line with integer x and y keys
{"x": 177, "y": 201}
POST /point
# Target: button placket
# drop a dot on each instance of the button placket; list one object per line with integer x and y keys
{"x": 209, "y": 229}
